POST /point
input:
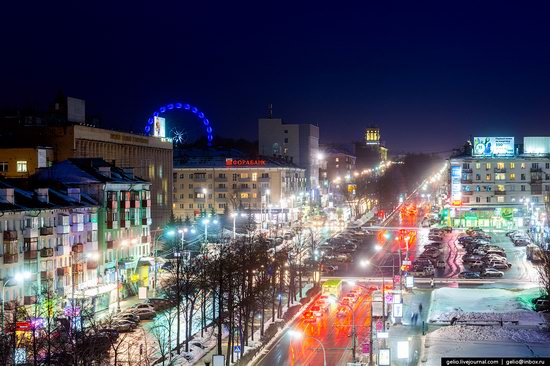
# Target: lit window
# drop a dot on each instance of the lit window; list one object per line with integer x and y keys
{"x": 512, "y": 165}
{"x": 488, "y": 165}
{"x": 500, "y": 199}
{"x": 244, "y": 175}
{"x": 21, "y": 167}
{"x": 500, "y": 188}
{"x": 337, "y": 159}
{"x": 512, "y": 176}
{"x": 254, "y": 177}
{"x": 522, "y": 165}
{"x": 254, "y": 195}
{"x": 244, "y": 195}
{"x": 488, "y": 177}
{"x": 478, "y": 165}
{"x": 3, "y": 166}
{"x": 500, "y": 165}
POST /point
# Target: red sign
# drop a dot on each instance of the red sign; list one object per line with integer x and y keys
{"x": 243, "y": 162}
{"x": 23, "y": 326}
{"x": 366, "y": 347}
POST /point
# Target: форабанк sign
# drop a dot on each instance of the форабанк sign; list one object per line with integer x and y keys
{"x": 493, "y": 146}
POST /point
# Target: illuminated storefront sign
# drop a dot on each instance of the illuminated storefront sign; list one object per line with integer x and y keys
{"x": 159, "y": 126}
{"x": 244, "y": 162}
{"x": 493, "y": 146}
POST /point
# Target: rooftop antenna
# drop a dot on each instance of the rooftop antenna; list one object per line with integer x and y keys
{"x": 270, "y": 110}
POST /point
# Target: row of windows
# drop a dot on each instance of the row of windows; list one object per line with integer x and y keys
{"x": 220, "y": 195}
{"x": 236, "y": 176}
{"x": 21, "y": 166}
{"x": 501, "y": 165}
{"x": 233, "y": 186}
{"x": 499, "y": 199}
{"x": 501, "y": 176}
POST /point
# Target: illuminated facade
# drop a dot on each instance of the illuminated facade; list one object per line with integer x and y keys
{"x": 220, "y": 184}
{"x": 23, "y": 162}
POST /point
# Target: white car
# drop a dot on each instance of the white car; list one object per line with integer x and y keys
{"x": 491, "y": 272}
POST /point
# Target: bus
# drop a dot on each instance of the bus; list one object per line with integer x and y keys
{"x": 332, "y": 287}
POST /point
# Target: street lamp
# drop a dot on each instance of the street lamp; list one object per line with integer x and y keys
{"x": 299, "y": 335}
{"x": 206, "y": 222}
{"x": 19, "y": 277}
{"x": 234, "y": 216}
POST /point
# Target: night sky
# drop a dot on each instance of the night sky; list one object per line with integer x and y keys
{"x": 429, "y": 74}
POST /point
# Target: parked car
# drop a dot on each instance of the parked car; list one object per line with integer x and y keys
{"x": 435, "y": 237}
{"x": 542, "y": 305}
{"x": 123, "y": 325}
{"x": 521, "y": 242}
{"x": 469, "y": 275}
{"x": 499, "y": 265}
{"x": 477, "y": 265}
{"x": 128, "y": 316}
{"x": 491, "y": 272}
{"x": 143, "y": 306}
{"x": 145, "y": 314}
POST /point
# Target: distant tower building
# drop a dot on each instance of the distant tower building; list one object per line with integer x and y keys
{"x": 370, "y": 152}
{"x": 372, "y": 136}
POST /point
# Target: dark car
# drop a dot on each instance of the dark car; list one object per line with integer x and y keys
{"x": 469, "y": 275}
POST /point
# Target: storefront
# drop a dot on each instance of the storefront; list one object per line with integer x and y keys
{"x": 502, "y": 218}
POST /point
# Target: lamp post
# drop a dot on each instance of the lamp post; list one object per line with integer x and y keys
{"x": 268, "y": 206}
{"x": 206, "y": 222}
{"x": 234, "y": 215}
{"x": 19, "y": 277}
{"x": 205, "y": 192}
{"x": 298, "y": 335}
{"x": 122, "y": 244}
{"x": 155, "y": 240}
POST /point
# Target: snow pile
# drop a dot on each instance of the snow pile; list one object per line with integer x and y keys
{"x": 468, "y": 333}
{"x": 482, "y": 305}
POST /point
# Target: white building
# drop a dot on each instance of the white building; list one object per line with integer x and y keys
{"x": 297, "y": 142}
{"x": 500, "y": 188}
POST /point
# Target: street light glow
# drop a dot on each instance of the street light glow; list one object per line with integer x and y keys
{"x": 295, "y": 334}
{"x": 93, "y": 256}
{"x": 364, "y": 262}
{"x": 19, "y": 277}
{"x": 171, "y": 233}
{"x": 206, "y": 221}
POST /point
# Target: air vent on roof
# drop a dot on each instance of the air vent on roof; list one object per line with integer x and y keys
{"x": 42, "y": 195}
{"x": 74, "y": 193}
{"x": 129, "y": 172}
{"x": 105, "y": 171}
{"x": 7, "y": 195}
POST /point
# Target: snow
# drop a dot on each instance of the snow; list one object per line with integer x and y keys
{"x": 489, "y": 305}
{"x": 485, "y": 341}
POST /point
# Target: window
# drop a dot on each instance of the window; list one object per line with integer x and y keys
{"x": 487, "y": 165}
{"x": 286, "y": 140}
{"x": 221, "y": 175}
{"x": 244, "y": 195}
{"x": 500, "y": 176}
{"x": 478, "y": 177}
{"x": 523, "y": 177}
{"x": 21, "y": 166}
{"x": 522, "y": 165}
{"x": 512, "y": 187}
{"x": 244, "y": 185}
{"x": 547, "y": 165}
{"x": 190, "y": 176}
{"x": 265, "y": 175}
{"x": 488, "y": 199}
{"x": 221, "y": 185}
{"x": 522, "y": 188}
{"x": 487, "y": 176}
{"x": 244, "y": 175}
{"x": 221, "y": 205}
{"x": 478, "y": 199}
{"x": 465, "y": 166}
{"x": 183, "y": 206}
{"x": 221, "y": 195}
{"x": 478, "y": 189}
{"x": 547, "y": 188}
{"x": 286, "y": 131}
{"x": 500, "y": 165}
{"x": 200, "y": 195}
{"x": 512, "y": 176}
{"x": 500, "y": 188}
{"x": 254, "y": 195}
{"x": 535, "y": 165}
{"x": 337, "y": 159}
{"x": 200, "y": 176}
{"x": 254, "y": 177}
{"x": 478, "y": 166}
{"x": 182, "y": 196}
{"x": 512, "y": 165}
{"x": 254, "y": 186}
{"x": 3, "y": 166}
{"x": 500, "y": 199}
{"x": 235, "y": 177}
{"x": 182, "y": 176}
{"x": 190, "y": 195}
{"x": 191, "y": 186}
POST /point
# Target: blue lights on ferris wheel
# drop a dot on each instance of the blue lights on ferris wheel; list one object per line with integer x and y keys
{"x": 185, "y": 106}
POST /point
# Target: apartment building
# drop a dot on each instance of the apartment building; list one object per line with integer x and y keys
{"x": 499, "y": 188}
{"x": 50, "y": 234}
{"x": 228, "y": 180}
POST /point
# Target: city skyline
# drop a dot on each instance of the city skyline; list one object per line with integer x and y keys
{"x": 455, "y": 71}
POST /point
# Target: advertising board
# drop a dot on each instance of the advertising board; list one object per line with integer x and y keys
{"x": 159, "y": 127}
{"x": 493, "y": 146}
{"x": 456, "y": 186}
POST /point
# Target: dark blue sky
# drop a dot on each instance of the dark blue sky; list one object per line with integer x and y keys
{"x": 428, "y": 73}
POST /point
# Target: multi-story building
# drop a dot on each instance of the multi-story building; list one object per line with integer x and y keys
{"x": 338, "y": 163}
{"x": 297, "y": 142}
{"x": 223, "y": 181}
{"x": 497, "y": 185}
{"x": 371, "y": 151}
{"x": 124, "y": 217}
{"x": 51, "y": 234}
{"x": 23, "y": 162}
{"x": 64, "y": 131}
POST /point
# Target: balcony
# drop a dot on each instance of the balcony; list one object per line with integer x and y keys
{"x": 11, "y": 258}
{"x": 536, "y": 170}
{"x": 124, "y": 204}
{"x": 75, "y": 228}
{"x": 500, "y": 193}
{"x": 63, "y": 271}
{"x": 62, "y": 220}
{"x": 110, "y": 244}
{"x": 91, "y": 246}
{"x": 47, "y": 230}
{"x": 244, "y": 180}
{"x": 46, "y": 252}
{"x": 112, "y": 204}
{"x": 63, "y": 250}
{"x": 63, "y": 229}
{"x": 78, "y": 248}
{"x": 10, "y": 235}
{"x": 466, "y": 181}
{"x": 146, "y": 203}
{"x": 112, "y": 225}
{"x": 145, "y": 239}
{"x": 468, "y": 193}
{"x": 30, "y": 232}
{"x": 90, "y": 226}
{"x": 30, "y": 255}
{"x": 466, "y": 170}
{"x": 91, "y": 265}
{"x": 46, "y": 275}
{"x": 146, "y": 221}
{"x": 134, "y": 203}
{"x": 125, "y": 223}
{"x": 78, "y": 267}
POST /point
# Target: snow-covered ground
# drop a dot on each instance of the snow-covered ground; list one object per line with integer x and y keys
{"x": 483, "y": 305}
{"x": 485, "y": 341}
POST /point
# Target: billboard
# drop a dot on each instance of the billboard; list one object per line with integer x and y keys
{"x": 493, "y": 146}
{"x": 159, "y": 127}
{"x": 456, "y": 186}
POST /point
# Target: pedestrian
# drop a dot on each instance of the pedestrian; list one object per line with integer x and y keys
{"x": 415, "y": 318}
{"x": 432, "y": 282}
{"x": 420, "y": 308}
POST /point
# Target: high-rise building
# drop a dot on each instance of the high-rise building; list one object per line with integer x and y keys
{"x": 371, "y": 151}
{"x": 338, "y": 163}
{"x": 297, "y": 142}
